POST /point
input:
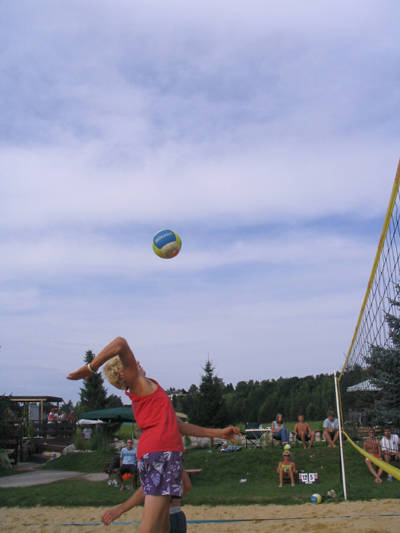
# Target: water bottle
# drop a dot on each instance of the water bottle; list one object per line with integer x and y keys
{"x": 390, "y": 478}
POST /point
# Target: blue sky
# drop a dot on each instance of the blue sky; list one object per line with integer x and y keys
{"x": 266, "y": 135}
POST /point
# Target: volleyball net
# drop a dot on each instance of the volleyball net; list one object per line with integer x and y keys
{"x": 368, "y": 384}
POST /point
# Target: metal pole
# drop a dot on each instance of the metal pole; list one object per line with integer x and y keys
{"x": 340, "y": 438}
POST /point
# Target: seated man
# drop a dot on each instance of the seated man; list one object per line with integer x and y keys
{"x": 331, "y": 429}
{"x": 372, "y": 446}
{"x": 127, "y": 463}
{"x": 303, "y": 432}
{"x": 390, "y": 446}
{"x": 286, "y": 469}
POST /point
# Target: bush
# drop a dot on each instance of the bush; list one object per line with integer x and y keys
{"x": 5, "y": 463}
{"x": 79, "y": 442}
{"x": 100, "y": 442}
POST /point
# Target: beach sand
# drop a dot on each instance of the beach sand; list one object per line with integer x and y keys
{"x": 324, "y": 517}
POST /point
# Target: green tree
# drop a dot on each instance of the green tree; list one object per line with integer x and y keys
{"x": 384, "y": 369}
{"x": 113, "y": 401}
{"x": 210, "y": 404}
{"x": 92, "y": 394}
{"x": 6, "y": 414}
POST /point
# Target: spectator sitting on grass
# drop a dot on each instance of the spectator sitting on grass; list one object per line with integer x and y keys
{"x": 390, "y": 446}
{"x": 331, "y": 429}
{"x": 372, "y": 446}
{"x": 286, "y": 469}
{"x": 303, "y": 432}
{"x": 127, "y": 463}
{"x": 279, "y": 432}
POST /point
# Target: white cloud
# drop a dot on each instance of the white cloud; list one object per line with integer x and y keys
{"x": 120, "y": 118}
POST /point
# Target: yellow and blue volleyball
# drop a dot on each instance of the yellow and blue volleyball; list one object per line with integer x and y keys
{"x": 316, "y": 498}
{"x": 166, "y": 243}
{"x": 286, "y": 447}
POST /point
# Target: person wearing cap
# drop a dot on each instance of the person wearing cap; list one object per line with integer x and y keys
{"x": 286, "y": 469}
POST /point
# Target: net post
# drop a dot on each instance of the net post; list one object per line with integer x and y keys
{"x": 338, "y": 410}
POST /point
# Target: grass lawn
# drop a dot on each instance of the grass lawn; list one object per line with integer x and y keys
{"x": 6, "y": 472}
{"x": 80, "y": 462}
{"x": 219, "y": 481}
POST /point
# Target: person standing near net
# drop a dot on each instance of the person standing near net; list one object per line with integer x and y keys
{"x": 372, "y": 446}
{"x": 160, "y": 448}
{"x": 331, "y": 429}
{"x": 177, "y": 518}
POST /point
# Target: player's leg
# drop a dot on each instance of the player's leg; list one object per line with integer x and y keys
{"x": 178, "y": 522}
{"x": 280, "y": 478}
{"x": 155, "y": 518}
{"x": 291, "y": 474}
{"x": 336, "y": 436}
{"x": 312, "y": 438}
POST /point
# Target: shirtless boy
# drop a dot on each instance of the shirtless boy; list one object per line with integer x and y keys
{"x": 303, "y": 432}
{"x": 372, "y": 446}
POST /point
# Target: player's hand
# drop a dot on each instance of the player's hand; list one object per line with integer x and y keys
{"x": 230, "y": 433}
{"x": 81, "y": 373}
{"x": 110, "y": 515}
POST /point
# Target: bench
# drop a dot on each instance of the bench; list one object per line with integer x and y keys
{"x": 192, "y": 471}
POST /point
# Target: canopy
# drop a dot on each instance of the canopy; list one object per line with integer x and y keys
{"x": 366, "y": 385}
{"x": 88, "y": 422}
{"x": 115, "y": 414}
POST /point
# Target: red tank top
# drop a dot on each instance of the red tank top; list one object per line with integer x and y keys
{"x": 155, "y": 416}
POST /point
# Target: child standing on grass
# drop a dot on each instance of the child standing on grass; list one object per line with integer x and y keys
{"x": 177, "y": 517}
{"x": 160, "y": 448}
{"x": 286, "y": 469}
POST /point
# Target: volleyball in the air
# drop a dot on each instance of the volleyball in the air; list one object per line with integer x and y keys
{"x": 316, "y": 498}
{"x": 166, "y": 243}
{"x": 286, "y": 447}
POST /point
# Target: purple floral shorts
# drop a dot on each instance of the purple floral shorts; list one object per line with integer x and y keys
{"x": 161, "y": 473}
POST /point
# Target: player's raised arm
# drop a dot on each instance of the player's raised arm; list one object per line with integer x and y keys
{"x": 118, "y": 346}
{"x": 228, "y": 433}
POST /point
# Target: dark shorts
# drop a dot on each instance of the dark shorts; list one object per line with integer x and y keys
{"x": 127, "y": 469}
{"x": 177, "y": 522}
{"x": 161, "y": 473}
{"x": 392, "y": 456}
{"x": 307, "y": 437}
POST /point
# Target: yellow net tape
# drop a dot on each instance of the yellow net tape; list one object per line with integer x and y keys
{"x": 386, "y": 467}
{"x": 389, "y": 212}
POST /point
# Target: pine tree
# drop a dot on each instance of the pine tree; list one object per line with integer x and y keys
{"x": 384, "y": 369}
{"x": 93, "y": 394}
{"x": 210, "y": 405}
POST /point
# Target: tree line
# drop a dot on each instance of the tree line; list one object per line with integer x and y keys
{"x": 215, "y": 403}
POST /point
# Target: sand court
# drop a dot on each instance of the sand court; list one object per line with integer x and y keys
{"x": 334, "y": 518}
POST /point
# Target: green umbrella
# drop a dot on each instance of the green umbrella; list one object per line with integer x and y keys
{"x": 115, "y": 414}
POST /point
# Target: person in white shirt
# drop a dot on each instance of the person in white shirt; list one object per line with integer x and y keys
{"x": 331, "y": 429}
{"x": 87, "y": 433}
{"x": 390, "y": 446}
